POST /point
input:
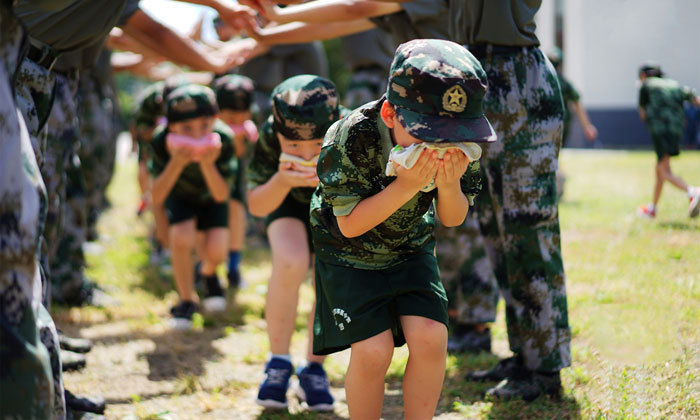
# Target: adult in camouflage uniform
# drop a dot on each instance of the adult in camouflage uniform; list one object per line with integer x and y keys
{"x": 378, "y": 284}
{"x": 661, "y": 108}
{"x": 517, "y": 210}
{"x": 281, "y": 180}
{"x": 367, "y": 55}
{"x": 26, "y": 388}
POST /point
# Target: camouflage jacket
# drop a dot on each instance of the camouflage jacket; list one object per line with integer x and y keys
{"x": 265, "y": 162}
{"x": 662, "y": 102}
{"x": 191, "y": 185}
{"x": 351, "y": 168}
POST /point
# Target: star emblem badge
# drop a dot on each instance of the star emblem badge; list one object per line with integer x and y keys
{"x": 454, "y": 99}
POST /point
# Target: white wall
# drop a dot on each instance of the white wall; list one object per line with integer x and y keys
{"x": 605, "y": 41}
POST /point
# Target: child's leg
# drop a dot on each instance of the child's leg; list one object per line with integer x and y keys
{"x": 290, "y": 264}
{"x": 665, "y": 165}
{"x": 658, "y": 185}
{"x": 162, "y": 228}
{"x": 237, "y": 227}
{"x": 364, "y": 381}
{"x": 425, "y": 371}
{"x": 201, "y": 246}
{"x": 215, "y": 247}
{"x": 182, "y": 240}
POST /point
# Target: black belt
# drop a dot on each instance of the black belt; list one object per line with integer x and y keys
{"x": 44, "y": 56}
{"x": 484, "y": 50}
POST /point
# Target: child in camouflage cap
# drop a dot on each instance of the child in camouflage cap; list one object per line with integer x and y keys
{"x": 194, "y": 165}
{"x": 281, "y": 180}
{"x": 234, "y": 95}
{"x": 661, "y": 108}
{"x": 377, "y": 279}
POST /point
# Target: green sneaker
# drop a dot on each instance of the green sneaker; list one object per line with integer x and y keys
{"x": 527, "y": 387}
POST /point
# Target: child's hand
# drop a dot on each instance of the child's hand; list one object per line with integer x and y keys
{"x": 450, "y": 169}
{"x": 293, "y": 178}
{"x": 421, "y": 173}
{"x": 210, "y": 155}
{"x": 181, "y": 156}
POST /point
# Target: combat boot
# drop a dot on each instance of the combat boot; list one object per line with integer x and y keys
{"x": 72, "y": 361}
{"x": 505, "y": 368}
{"x": 92, "y": 404}
{"x": 77, "y": 345}
{"x": 466, "y": 339}
{"x": 527, "y": 386}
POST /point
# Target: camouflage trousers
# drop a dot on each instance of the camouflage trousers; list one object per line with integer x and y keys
{"x": 365, "y": 85}
{"x": 517, "y": 210}
{"x": 67, "y": 234}
{"x": 97, "y": 143}
{"x": 26, "y": 386}
{"x": 466, "y": 272}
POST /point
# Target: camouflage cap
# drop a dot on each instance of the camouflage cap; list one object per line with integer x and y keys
{"x": 234, "y": 92}
{"x": 438, "y": 88}
{"x": 191, "y": 101}
{"x": 651, "y": 69}
{"x": 304, "y": 107}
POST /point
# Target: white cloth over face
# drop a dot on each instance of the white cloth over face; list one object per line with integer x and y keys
{"x": 300, "y": 164}
{"x": 408, "y": 156}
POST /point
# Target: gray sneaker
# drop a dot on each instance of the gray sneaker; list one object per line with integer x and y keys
{"x": 694, "y": 207}
{"x": 527, "y": 386}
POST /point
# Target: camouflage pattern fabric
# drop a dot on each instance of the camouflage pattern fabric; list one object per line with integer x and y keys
{"x": 438, "y": 88}
{"x": 466, "y": 272}
{"x": 303, "y": 107}
{"x": 569, "y": 94}
{"x": 190, "y": 101}
{"x": 352, "y": 167}
{"x": 190, "y": 185}
{"x": 265, "y": 162}
{"x": 517, "y": 209}
{"x": 67, "y": 268}
{"x": 26, "y": 388}
{"x": 97, "y": 139}
{"x": 662, "y": 101}
{"x": 234, "y": 92}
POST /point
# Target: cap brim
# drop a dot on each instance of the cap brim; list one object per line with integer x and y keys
{"x": 446, "y": 129}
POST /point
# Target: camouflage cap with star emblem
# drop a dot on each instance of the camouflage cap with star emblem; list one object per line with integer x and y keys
{"x": 234, "y": 92}
{"x": 437, "y": 88}
{"x": 191, "y": 101}
{"x": 304, "y": 107}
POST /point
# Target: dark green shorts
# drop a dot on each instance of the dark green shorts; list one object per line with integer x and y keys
{"x": 354, "y": 304}
{"x": 238, "y": 187}
{"x": 291, "y": 207}
{"x": 208, "y": 216}
{"x": 666, "y": 143}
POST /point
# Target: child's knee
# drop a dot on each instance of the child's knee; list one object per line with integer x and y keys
{"x": 374, "y": 354}
{"x": 217, "y": 245}
{"x": 181, "y": 236}
{"x": 429, "y": 340}
{"x": 290, "y": 260}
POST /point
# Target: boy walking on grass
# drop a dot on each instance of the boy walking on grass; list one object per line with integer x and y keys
{"x": 281, "y": 179}
{"x": 194, "y": 166}
{"x": 661, "y": 108}
{"x": 378, "y": 284}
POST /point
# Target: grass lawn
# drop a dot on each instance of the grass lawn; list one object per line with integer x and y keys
{"x": 634, "y": 307}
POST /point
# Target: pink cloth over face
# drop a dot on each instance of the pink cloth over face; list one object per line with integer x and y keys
{"x": 248, "y": 128}
{"x": 196, "y": 146}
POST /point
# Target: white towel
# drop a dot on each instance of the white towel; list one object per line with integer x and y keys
{"x": 408, "y": 156}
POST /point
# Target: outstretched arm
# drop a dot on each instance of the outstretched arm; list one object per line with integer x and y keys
{"x": 588, "y": 128}
{"x": 323, "y": 11}
{"x": 297, "y": 32}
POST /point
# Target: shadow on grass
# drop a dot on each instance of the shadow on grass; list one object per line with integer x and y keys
{"x": 541, "y": 408}
{"x": 181, "y": 354}
{"x": 277, "y": 414}
{"x": 680, "y": 226}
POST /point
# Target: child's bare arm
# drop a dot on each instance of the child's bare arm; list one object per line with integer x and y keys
{"x": 373, "y": 210}
{"x": 323, "y": 11}
{"x": 265, "y": 198}
{"x": 451, "y": 206}
{"x": 298, "y": 32}
{"x": 167, "y": 179}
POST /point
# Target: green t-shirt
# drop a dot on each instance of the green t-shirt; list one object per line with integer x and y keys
{"x": 191, "y": 186}
{"x": 569, "y": 94}
{"x": 265, "y": 163}
{"x": 419, "y": 19}
{"x": 351, "y": 168}
{"x": 79, "y": 25}
{"x": 662, "y": 102}
{"x": 497, "y": 22}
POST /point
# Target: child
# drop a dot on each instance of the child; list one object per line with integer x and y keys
{"x": 661, "y": 108}
{"x": 194, "y": 166}
{"x": 234, "y": 95}
{"x": 281, "y": 180}
{"x": 378, "y": 284}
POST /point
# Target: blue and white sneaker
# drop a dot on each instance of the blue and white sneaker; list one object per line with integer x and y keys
{"x": 313, "y": 389}
{"x": 273, "y": 391}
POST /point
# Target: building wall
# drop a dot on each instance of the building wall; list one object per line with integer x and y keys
{"x": 604, "y": 43}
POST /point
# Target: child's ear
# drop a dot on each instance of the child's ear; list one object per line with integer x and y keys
{"x": 388, "y": 113}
